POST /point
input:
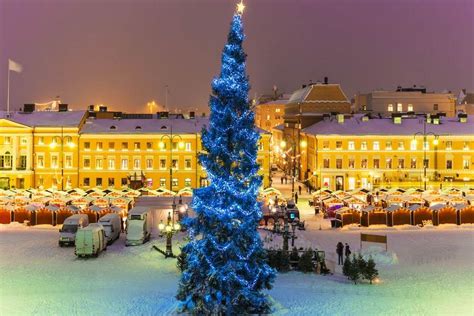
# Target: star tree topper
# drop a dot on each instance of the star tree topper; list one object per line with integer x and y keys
{"x": 240, "y": 7}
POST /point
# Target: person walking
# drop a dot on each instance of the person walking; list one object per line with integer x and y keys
{"x": 299, "y": 189}
{"x": 339, "y": 251}
{"x": 296, "y": 197}
{"x": 347, "y": 251}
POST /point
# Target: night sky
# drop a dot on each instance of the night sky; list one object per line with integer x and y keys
{"x": 122, "y": 53}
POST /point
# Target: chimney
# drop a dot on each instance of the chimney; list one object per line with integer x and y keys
{"x": 192, "y": 114}
{"x": 62, "y": 107}
{"x": 91, "y": 108}
{"x": 303, "y": 86}
{"x": 102, "y": 109}
{"x": 28, "y": 108}
{"x": 326, "y": 80}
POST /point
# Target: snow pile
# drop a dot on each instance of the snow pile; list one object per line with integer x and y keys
{"x": 379, "y": 255}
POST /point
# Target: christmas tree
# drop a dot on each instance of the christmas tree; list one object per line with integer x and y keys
{"x": 226, "y": 268}
{"x": 370, "y": 272}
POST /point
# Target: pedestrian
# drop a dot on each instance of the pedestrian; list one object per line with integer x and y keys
{"x": 347, "y": 251}
{"x": 282, "y": 180}
{"x": 286, "y": 179}
{"x": 296, "y": 197}
{"x": 299, "y": 189}
{"x": 339, "y": 251}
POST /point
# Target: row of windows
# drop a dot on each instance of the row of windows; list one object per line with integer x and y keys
{"x": 7, "y": 140}
{"x": 389, "y": 145}
{"x": 390, "y": 163}
{"x": 138, "y": 146}
{"x": 124, "y": 181}
{"x": 54, "y": 162}
{"x": 124, "y": 163}
{"x": 6, "y": 161}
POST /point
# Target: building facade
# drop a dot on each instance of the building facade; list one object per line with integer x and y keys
{"x": 64, "y": 150}
{"x": 363, "y": 152}
{"x": 270, "y": 114}
{"x": 404, "y": 100}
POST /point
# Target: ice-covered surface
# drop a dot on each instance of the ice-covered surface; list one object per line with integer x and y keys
{"x": 433, "y": 276}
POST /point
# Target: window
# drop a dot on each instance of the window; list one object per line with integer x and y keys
{"x": 435, "y": 107}
{"x": 187, "y": 164}
{"x": 54, "y": 162}
{"x": 426, "y": 163}
{"x": 124, "y": 181}
{"x": 98, "y": 163}
{"x": 388, "y": 145}
{"x": 6, "y": 161}
{"x": 338, "y": 145}
{"x": 149, "y": 146}
{"x": 401, "y": 146}
{"x": 111, "y": 163}
{"x": 162, "y": 182}
{"x": 8, "y": 140}
{"x": 449, "y": 145}
{"x": 363, "y": 163}
{"x": 410, "y": 108}
{"x": 413, "y": 163}
{"x": 124, "y": 164}
{"x": 351, "y": 163}
{"x": 401, "y": 163}
{"x": 174, "y": 164}
{"x": 466, "y": 163}
{"x": 87, "y": 145}
{"x": 136, "y": 146}
{"x": 326, "y": 163}
{"x": 162, "y": 146}
{"x": 40, "y": 161}
{"x": 149, "y": 163}
{"x": 87, "y": 182}
{"x": 187, "y": 182}
{"x": 277, "y": 110}
{"x": 136, "y": 163}
{"x": 111, "y": 182}
{"x": 68, "y": 161}
{"x": 413, "y": 144}
{"x": 175, "y": 182}
{"x": 376, "y": 146}
{"x": 390, "y": 108}
{"x": 98, "y": 182}
{"x": 124, "y": 146}
{"x": 22, "y": 164}
{"x": 449, "y": 164}
{"x": 41, "y": 140}
{"x": 87, "y": 163}
{"x": 351, "y": 145}
{"x": 363, "y": 145}
{"x": 338, "y": 163}
{"x": 99, "y": 146}
{"x": 188, "y": 146}
{"x": 399, "y": 107}
{"x": 376, "y": 163}
{"x": 268, "y": 116}
{"x": 162, "y": 164}
{"x": 466, "y": 146}
{"x": 24, "y": 141}
{"x": 388, "y": 163}
{"x": 325, "y": 144}
{"x": 111, "y": 146}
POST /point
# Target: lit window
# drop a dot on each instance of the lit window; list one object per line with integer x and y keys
{"x": 449, "y": 145}
{"x": 351, "y": 163}
{"x": 41, "y": 140}
{"x": 268, "y": 116}
{"x": 466, "y": 146}
{"x": 410, "y": 108}
{"x": 24, "y": 140}
{"x": 111, "y": 164}
{"x": 40, "y": 161}
{"x": 175, "y": 182}
{"x": 111, "y": 146}
{"x": 399, "y": 107}
{"x": 136, "y": 146}
{"x": 99, "y": 146}
{"x": 68, "y": 161}
{"x": 54, "y": 162}
{"x": 188, "y": 146}
{"x": 413, "y": 144}
{"x": 136, "y": 163}
{"x": 277, "y": 110}
{"x": 401, "y": 146}
{"x": 98, "y": 163}
{"x": 124, "y": 164}
{"x": 388, "y": 163}
{"x": 162, "y": 182}
{"x": 8, "y": 140}
{"x": 401, "y": 163}
{"x": 363, "y": 145}
{"x": 326, "y": 163}
{"x": 413, "y": 163}
{"x": 376, "y": 146}
{"x": 351, "y": 145}
{"x": 466, "y": 163}
{"x": 187, "y": 182}
{"x": 149, "y": 163}
{"x": 390, "y": 108}
{"x": 388, "y": 145}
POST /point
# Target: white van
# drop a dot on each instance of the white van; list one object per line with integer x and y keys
{"x": 67, "y": 233}
{"x": 112, "y": 226}
{"x": 139, "y": 225}
{"x": 90, "y": 240}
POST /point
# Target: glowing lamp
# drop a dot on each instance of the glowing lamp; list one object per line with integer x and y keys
{"x": 435, "y": 141}
{"x": 161, "y": 145}
{"x": 177, "y": 226}
{"x": 168, "y": 228}
{"x": 161, "y": 226}
{"x": 52, "y": 145}
{"x": 282, "y": 144}
{"x": 303, "y": 144}
{"x": 181, "y": 145}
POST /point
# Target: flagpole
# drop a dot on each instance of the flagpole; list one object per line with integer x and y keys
{"x": 8, "y": 91}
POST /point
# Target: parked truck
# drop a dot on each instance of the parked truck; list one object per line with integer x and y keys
{"x": 90, "y": 240}
{"x": 67, "y": 233}
{"x": 139, "y": 225}
{"x": 112, "y": 226}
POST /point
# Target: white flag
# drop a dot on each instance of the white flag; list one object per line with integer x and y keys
{"x": 14, "y": 66}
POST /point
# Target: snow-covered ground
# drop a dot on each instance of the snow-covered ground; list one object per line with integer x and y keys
{"x": 432, "y": 275}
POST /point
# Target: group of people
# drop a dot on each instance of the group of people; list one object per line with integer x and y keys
{"x": 342, "y": 250}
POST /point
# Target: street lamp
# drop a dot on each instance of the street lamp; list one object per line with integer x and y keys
{"x": 61, "y": 140}
{"x": 171, "y": 138}
{"x": 425, "y": 143}
{"x": 169, "y": 229}
{"x": 303, "y": 144}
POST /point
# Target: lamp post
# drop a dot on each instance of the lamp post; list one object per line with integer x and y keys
{"x": 169, "y": 229}
{"x": 425, "y": 143}
{"x": 53, "y": 145}
{"x": 171, "y": 138}
{"x": 294, "y": 158}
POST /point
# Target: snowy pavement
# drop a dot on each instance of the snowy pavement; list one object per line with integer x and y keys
{"x": 433, "y": 276}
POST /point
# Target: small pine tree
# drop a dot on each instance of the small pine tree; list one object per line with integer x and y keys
{"x": 361, "y": 264}
{"x": 305, "y": 262}
{"x": 346, "y": 268}
{"x": 294, "y": 256}
{"x": 283, "y": 259}
{"x": 370, "y": 272}
{"x": 354, "y": 273}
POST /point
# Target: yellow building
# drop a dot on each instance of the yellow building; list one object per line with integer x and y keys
{"x": 345, "y": 153}
{"x": 270, "y": 114}
{"x": 39, "y": 149}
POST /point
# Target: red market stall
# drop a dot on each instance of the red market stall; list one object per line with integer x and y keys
{"x": 372, "y": 215}
{"x": 466, "y": 215}
{"x": 447, "y": 215}
{"x": 45, "y": 215}
{"x": 65, "y": 212}
{"x": 398, "y": 215}
{"x": 420, "y": 214}
{"x": 6, "y": 213}
{"x": 348, "y": 216}
{"x": 24, "y": 213}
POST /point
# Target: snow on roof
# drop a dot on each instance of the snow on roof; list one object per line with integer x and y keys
{"x": 45, "y": 118}
{"x": 319, "y": 93}
{"x": 280, "y": 127}
{"x": 385, "y": 126}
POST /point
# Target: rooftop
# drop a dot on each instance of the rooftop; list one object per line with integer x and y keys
{"x": 45, "y": 118}
{"x": 319, "y": 93}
